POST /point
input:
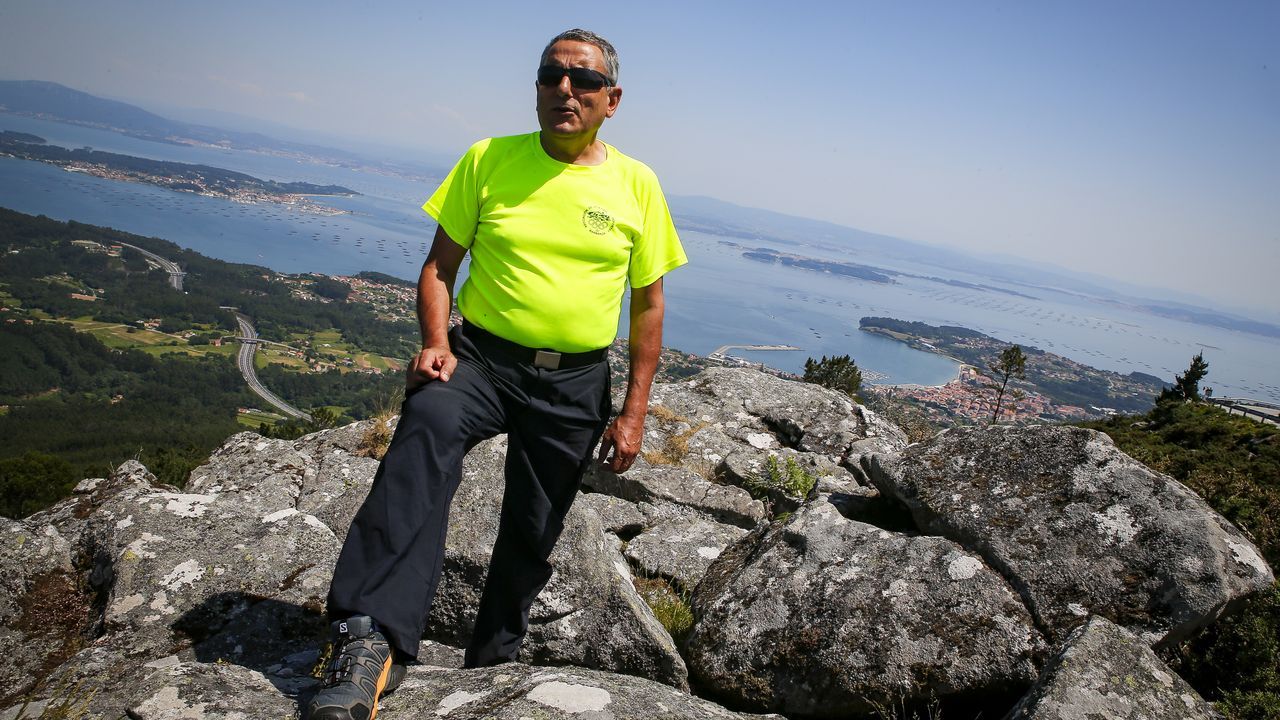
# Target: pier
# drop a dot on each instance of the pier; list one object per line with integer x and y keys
{"x": 720, "y": 351}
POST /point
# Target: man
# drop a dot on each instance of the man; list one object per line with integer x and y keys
{"x": 557, "y": 223}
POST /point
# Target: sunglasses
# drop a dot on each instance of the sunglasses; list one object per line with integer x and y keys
{"x": 579, "y": 77}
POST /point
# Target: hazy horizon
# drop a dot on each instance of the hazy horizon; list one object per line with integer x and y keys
{"x": 1137, "y": 143}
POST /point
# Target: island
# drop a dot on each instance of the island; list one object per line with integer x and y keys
{"x": 183, "y": 177}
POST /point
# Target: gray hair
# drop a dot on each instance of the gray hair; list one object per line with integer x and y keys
{"x": 586, "y": 36}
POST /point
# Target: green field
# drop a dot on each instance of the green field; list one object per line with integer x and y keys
{"x": 152, "y": 342}
{"x": 253, "y": 420}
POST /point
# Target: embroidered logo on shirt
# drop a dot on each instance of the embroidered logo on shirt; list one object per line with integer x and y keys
{"x": 597, "y": 220}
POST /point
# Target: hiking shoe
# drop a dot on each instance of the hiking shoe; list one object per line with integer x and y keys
{"x": 358, "y": 671}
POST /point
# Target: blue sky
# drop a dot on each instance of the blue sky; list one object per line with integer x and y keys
{"x": 1136, "y": 140}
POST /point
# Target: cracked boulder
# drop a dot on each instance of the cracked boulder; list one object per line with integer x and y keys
{"x": 764, "y": 412}
{"x": 588, "y": 614}
{"x": 676, "y": 485}
{"x": 1105, "y": 671}
{"x": 515, "y": 691}
{"x": 729, "y": 422}
{"x": 1078, "y": 527}
{"x": 822, "y": 616}
{"x": 620, "y": 517}
{"x": 44, "y": 612}
{"x": 197, "y": 691}
{"x": 319, "y": 474}
{"x": 183, "y": 564}
{"x": 681, "y": 549}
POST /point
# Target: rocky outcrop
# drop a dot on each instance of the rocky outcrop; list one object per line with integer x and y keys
{"x": 822, "y": 616}
{"x": 134, "y": 596}
{"x": 674, "y": 485}
{"x": 1105, "y": 671}
{"x": 515, "y": 691}
{"x": 681, "y": 550}
{"x": 727, "y": 422}
{"x": 1078, "y": 527}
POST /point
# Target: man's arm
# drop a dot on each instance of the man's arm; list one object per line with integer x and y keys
{"x": 435, "y": 298}
{"x": 626, "y": 433}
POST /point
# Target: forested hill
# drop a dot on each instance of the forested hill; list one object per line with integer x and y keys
{"x": 104, "y": 361}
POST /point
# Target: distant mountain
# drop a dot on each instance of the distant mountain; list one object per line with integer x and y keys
{"x": 51, "y": 101}
{"x": 57, "y": 102}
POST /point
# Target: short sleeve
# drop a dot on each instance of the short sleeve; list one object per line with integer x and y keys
{"x": 456, "y": 203}
{"x": 657, "y": 251}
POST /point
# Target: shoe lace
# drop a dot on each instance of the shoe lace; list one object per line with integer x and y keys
{"x": 333, "y": 667}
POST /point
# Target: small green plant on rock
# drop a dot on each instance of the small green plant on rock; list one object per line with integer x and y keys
{"x": 669, "y": 606}
{"x": 786, "y": 476}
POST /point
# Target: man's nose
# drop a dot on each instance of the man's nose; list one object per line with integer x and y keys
{"x": 564, "y": 87}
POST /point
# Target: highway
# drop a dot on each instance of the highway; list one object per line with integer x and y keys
{"x": 248, "y": 339}
{"x": 1261, "y": 411}
{"x": 248, "y": 346}
{"x": 175, "y": 273}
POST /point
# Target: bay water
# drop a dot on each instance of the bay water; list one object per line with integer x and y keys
{"x": 720, "y": 298}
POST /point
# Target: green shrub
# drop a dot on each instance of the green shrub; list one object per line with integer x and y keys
{"x": 786, "y": 477}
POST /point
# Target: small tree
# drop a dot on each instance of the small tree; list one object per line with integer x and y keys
{"x": 839, "y": 372}
{"x": 1186, "y": 387}
{"x": 1011, "y": 363}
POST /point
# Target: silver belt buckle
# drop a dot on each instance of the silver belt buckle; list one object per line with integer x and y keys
{"x": 546, "y": 359}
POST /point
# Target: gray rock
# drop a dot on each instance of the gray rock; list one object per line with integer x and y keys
{"x": 1078, "y": 527}
{"x": 618, "y": 516}
{"x": 680, "y": 486}
{"x": 44, "y": 613}
{"x": 194, "y": 691}
{"x": 766, "y": 412}
{"x": 681, "y": 550}
{"x": 317, "y": 474}
{"x": 515, "y": 691}
{"x": 191, "y": 561}
{"x": 1104, "y": 671}
{"x": 588, "y": 614}
{"x": 764, "y": 472}
{"x": 820, "y": 616}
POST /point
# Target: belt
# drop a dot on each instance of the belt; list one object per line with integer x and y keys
{"x": 545, "y": 359}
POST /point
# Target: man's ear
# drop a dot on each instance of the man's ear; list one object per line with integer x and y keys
{"x": 615, "y": 97}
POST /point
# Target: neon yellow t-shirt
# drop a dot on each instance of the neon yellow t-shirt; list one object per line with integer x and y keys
{"x": 552, "y": 244}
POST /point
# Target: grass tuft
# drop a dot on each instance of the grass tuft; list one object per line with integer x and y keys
{"x": 377, "y": 438}
{"x": 676, "y": 447}
{"x": 672, "y": 608}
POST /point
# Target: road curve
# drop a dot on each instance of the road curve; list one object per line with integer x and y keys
{"x": 248, "y": 346}
{"x": 175, "y": 273}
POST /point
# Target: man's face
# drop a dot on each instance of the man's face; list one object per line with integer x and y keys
{"x": 565, "y": 110}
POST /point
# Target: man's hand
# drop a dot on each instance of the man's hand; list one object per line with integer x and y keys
{"x": 432, "y": 363}
{"x": 623, "y": 437}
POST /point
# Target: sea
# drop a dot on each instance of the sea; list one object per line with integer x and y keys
{"x": 719, "y": 299}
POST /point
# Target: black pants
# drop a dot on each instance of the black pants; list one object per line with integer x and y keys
{"x": 390, "y": 563}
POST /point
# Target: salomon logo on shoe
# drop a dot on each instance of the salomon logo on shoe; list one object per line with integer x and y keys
{"x": 359, "y": 671}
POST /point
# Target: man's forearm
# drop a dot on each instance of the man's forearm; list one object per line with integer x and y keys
{"x": 644, "y": 348}
{"x": 435, "y": 299}
{"x": 435, "y": 289}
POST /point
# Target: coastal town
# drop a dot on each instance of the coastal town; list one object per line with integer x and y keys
{"x": 968, "y": 398}
{"x": 1054, "y": 388}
